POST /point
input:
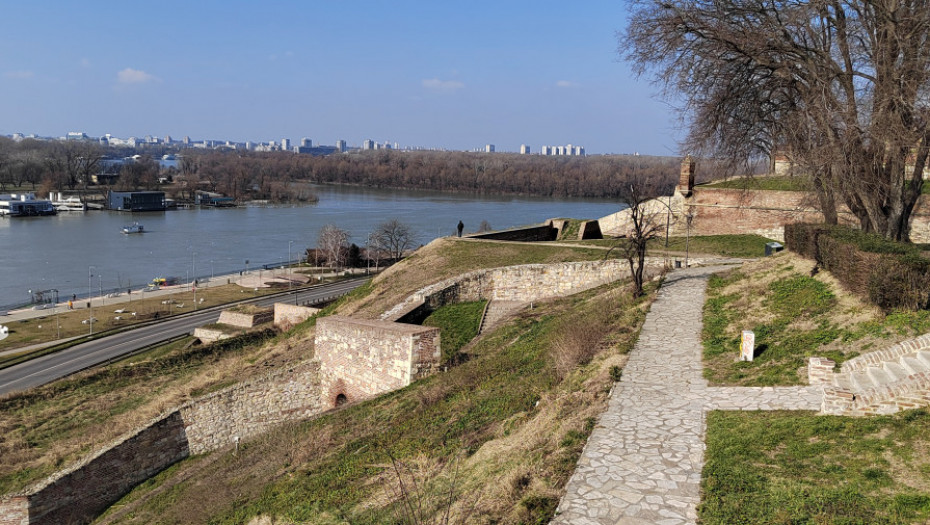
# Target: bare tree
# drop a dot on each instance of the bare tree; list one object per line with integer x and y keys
{"x": 395, "y": 237}
{"x": 842, "y": 85}
{"x": 646, "y": 218}
{"x": 332, "y": 242}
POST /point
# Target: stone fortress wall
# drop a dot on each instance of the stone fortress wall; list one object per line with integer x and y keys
{"x": 364, "y": 358}
{"x": 719, "y": 211}
{"x": 525, "y": 283}
{"x": 358, "y": 359}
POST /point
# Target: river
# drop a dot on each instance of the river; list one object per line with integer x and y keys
{"x": 73, "y": 252}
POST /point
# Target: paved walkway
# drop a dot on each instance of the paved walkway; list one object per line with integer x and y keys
{"x": 642, "y": 463}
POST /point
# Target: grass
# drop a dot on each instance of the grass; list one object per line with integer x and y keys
{"x": 458, "y": 324}
{"x": 790, "y": 467}
{"x": 448, "y": 257}
{"x": 511, "y": 426}
{"x": 794, "y": 316}
{"x": 46, "y": 328}
{"x": 48, "y": 427}
{"x": 741, "y": 246}
{"x": 767, "y": 183}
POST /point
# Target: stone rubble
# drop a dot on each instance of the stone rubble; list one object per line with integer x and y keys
{"x": 642, "y": 463}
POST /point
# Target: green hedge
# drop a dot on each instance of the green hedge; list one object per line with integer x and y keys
{"x": 888, "y": 274}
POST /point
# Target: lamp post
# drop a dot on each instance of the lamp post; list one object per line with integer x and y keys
{"x": 194, "y": 276}
{"x": 290, "y": 281}
{"x": 90, "y": 304}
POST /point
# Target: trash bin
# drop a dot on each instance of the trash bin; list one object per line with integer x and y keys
{"x": 773, "y": 247}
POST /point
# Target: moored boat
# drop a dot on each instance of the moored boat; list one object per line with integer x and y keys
{"x": 25, "y": 205}
{"x": 133, "y": 228}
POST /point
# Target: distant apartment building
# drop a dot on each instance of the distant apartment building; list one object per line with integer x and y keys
{"x": 567, "y": 150}
{"x": 524, "y": 149}
{"x": 285, "y": 144}
{"x": 489, "y": 148}
{"x": 341, "y": 146}
{"x": 76, "y": 135}
{"x": 306, "y": 143}
{"x": 368, "y": 144}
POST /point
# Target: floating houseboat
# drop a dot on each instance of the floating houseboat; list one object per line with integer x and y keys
{"x": 24, "y": 205}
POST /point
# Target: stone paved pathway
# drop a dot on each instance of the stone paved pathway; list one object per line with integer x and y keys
{"x": 642, "y": 463}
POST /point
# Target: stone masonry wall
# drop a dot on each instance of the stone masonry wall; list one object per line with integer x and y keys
{"x": 718, "y": 211}
{"x": 244, "y": 320}
{"x": 79, "y": 494}
{"x": 247, "y": 409}
{"x": 363, "y": 358}
{"x": 286, "y": 315}
{"x": 529, "y": 282}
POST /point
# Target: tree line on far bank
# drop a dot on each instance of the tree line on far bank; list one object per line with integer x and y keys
{"x": 45, "y": 166}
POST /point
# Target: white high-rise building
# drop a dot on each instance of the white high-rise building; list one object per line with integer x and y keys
{"x": 489, "y": 148}
{"x": 286, "y": 144}
{"x": 306, "y": 143}
{"x": 524, "y": 149}
{"x": 341, "y": 145}
{"x": 368, "y": 144}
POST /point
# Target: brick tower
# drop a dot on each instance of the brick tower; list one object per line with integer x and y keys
{"x": 686, "y": 180}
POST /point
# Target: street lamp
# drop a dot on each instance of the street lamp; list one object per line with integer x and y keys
{"x": 90, "y": 304}
{"x": 290, "y": 280}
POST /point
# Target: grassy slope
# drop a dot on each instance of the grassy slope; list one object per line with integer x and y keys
{"x": 794, "y": 316}
{"x": 503, "y": 420}
{"x": 740, "y": 246}
{"x": 797, "y": 467}
{"x": 40, "y": 433}
{"x": 48, "y": 427}
{"x": 448, "y": 257}
{"x": 458, "y": 324}
{"x": 770, "y": 183}
{"x": 789, "y": 467}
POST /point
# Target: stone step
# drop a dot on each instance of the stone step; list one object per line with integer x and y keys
{"x": 895, "y": 371}
{"x": 914, "y": 365}
{"x": 843, "y": 382}
{"x": 860, "y": 381}
{"x": 878, "y": 376}
{"x": 923, "y": 356}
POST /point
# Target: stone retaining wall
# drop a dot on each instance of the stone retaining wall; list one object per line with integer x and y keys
{"x": 363, "y": 358}
{"x": 247, "y": 409}
{"x": 525, "y": 283}
{"x": 287, "y": 315}
{"x": 79, "y": 494}
{"x": 245, "y": 320}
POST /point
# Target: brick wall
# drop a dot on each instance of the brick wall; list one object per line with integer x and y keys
{"x": 14, "y": 510}
{"x": 364, "y": 358}
{"x": 540, "y": 232}
{"x": 718, "y": 211}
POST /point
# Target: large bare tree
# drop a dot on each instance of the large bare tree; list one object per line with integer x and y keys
{"x": 394, "y": 236}
{"x": 840, "y": 84}
{"x": 332, "y": 242}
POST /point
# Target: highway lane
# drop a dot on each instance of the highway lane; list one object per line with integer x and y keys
{"x": 54, "y": 366}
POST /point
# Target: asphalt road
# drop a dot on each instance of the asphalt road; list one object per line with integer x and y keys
{"x": 54, "y": 366}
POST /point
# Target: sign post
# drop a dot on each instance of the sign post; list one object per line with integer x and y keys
{"x": 747, "y": 345}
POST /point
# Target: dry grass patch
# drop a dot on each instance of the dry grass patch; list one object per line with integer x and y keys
{"x": 48, "y": 427}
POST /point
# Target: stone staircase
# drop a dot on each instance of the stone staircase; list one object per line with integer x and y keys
{"x": 497, "y": 310}
{"x": 882, "y": 382}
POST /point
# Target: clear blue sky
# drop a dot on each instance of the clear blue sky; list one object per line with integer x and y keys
{"x": 431, "y": 73}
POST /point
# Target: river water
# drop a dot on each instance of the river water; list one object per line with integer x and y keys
{"x": 73, "y": 252}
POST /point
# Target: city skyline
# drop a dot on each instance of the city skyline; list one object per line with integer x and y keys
{"x": 414, "y": 73}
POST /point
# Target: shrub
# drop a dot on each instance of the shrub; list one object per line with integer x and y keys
{"x": 888, "y": 274}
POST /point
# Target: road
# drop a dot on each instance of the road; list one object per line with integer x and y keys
{"x": 54, "y": 366}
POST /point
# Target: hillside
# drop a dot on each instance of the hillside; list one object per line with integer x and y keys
{"x": 501, "y": 433}
{"x": 50, "y": 427}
